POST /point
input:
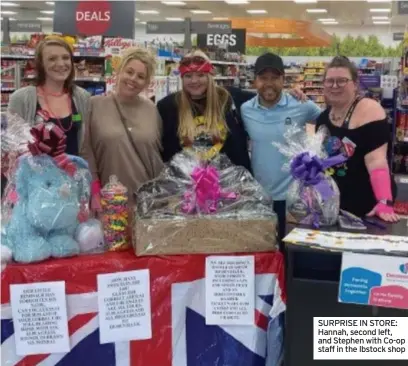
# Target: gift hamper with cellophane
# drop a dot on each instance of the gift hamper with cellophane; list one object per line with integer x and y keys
{"x": 45, "y": 204}
{"x": 197, "y": 206}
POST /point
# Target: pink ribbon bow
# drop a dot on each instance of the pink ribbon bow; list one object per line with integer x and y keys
{"x": 51, "y": 140}
{"x": 206, "y": 192}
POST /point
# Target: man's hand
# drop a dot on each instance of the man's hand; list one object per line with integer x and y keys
{"x": 298, "y": 94}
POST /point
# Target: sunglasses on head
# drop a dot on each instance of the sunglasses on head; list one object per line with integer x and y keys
{"x": 198, "y": 60}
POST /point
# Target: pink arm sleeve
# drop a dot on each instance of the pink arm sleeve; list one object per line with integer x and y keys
{"x": 381, "y": 183}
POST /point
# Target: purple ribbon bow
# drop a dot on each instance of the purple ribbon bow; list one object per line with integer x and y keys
{"x": 206, "y": 192}
{"x": 310, "y": 170}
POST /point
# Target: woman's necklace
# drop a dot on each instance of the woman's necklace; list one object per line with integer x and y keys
{"x": 338, "y": 119}
{"x": 52, "y": 114}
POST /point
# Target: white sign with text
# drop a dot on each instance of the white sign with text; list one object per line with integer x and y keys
{"x": 124, "y": 306}
{"x": 230, "y": 290}
{"x": 40, "y": 318}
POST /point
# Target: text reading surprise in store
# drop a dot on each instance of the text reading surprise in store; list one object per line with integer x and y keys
{"x": 360, "y": 338}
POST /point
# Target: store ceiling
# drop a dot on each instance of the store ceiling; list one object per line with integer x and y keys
{"x": 356, "y": 13}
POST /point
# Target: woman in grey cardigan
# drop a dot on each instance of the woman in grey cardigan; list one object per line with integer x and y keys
{"x": 54, "y": 98}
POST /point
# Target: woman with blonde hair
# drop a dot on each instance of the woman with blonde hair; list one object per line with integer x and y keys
{"x": 122, "y": 136}
{"x": 203, "y": 114}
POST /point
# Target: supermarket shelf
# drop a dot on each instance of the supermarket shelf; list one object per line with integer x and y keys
{"x": 5, "y": 90}
{"x": 313, "y": 87}
{"x": 214, "y": 62}
{"x": 17, "y": 57}
{"x": 91, "y": 79}
{"x": 89, "y": 53}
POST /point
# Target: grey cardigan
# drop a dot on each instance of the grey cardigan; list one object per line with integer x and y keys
{"x": 24, "y": 103}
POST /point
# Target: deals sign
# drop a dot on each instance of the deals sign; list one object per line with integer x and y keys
{"x": 90, "y": 18}
{"x": 234, "y": 40}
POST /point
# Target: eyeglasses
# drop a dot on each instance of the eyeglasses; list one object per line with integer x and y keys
{"x": 340, "y": 82}
{"x": 198, "y": 60}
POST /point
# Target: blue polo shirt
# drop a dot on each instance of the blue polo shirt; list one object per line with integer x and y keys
{"x": 267, "y": 125}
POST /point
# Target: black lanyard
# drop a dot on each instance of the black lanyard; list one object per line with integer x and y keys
{"x": 347, "y": 119}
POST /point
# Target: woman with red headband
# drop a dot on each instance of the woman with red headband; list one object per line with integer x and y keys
{"x": 202, "y": 113}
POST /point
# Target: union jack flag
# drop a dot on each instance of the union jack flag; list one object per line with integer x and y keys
{"x": 180, "y": 335}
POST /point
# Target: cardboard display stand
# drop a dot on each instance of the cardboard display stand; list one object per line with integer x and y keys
{"x": 180, "y": 335}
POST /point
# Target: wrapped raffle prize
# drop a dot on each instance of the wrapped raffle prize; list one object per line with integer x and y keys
{"x": 47, "y": 194}
{"x": 197, "y": 206}
{"x": 115, "y": 214}
{"x": 313, "y": 197}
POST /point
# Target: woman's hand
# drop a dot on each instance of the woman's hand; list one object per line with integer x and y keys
{"x": 297, "y": 93}
{"x": 384, "y": 212}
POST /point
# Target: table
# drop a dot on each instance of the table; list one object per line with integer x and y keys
{"x": 313, "y": 292}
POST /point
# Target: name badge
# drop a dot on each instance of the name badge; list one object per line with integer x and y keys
{"x": 76, "y": 118}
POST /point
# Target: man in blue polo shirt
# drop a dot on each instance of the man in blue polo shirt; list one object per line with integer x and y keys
{"x": 266, "y": 118}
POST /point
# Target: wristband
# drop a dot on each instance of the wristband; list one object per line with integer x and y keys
{"x": 96, "y": 187}
{"x": 382, "y": 208}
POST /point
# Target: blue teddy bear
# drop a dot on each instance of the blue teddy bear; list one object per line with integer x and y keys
{"x": 45, "y": 217}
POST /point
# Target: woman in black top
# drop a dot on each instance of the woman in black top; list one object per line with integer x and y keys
{"x": 358, "y": 127}
{"x": 202, "y": 114}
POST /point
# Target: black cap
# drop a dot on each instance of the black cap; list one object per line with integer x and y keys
{"x": 269, "y": 61}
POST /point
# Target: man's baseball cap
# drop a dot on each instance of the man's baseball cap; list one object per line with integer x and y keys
{"x": 269, "y": 61}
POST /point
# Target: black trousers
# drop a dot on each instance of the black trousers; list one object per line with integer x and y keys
{"x": 280, "y": 209}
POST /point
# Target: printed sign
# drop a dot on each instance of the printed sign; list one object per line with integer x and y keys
{"x": 402, "y": 7}
{"x": 89, "y": 18}
{"x": 370, "y": 81}
{"x": 23, "y": 26}
{"x": 230, "y": 290}
{"x": 40, "y": 318}
{"x": 374, "y": 280}
{"x": 124, "y": 306}
{"x": 235, "y": 40}
{"x": 180, "y": 27}
{"x": 399, "y": 36}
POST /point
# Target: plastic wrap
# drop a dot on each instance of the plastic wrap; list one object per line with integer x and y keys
{"x": 313, "y": 197}
{"x": 180, "y": 335}
{"x": 115, "y": 215}
{"x": 47, "y": 193}
{"x": 195, "y": 207}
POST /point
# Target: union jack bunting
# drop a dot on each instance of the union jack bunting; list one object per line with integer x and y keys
{"x": 180, "y": 336}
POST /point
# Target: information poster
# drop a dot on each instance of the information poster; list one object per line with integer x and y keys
{"x": 374, "y": 280}
{"x": 40, "y": 318}
{"x": 230, "y": 290}
{"x": 124, "y": 306}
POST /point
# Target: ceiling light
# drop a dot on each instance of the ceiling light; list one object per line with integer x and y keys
{"x": 316, "y": 10}
{"x": 382, "y": 22}
{"x": 330, "y": 23}
{"x": 45, "y": 18}
{"x": 379, "y": 1}
{"x": 380, "y": 18}
{"x": 5, "y": 3}
{"x": 143, "y": 22}
{"x": 305, "y": 1}
{"x": 220, "y": 18}
{"x": 380, "y": 10}
{"x": 47, "y": 11}
{"x": 148, "y": 11}
{"x": 326, "y": 20}
{"x": 237, "y": 2}
{"x": 257, "y": 11}
{"x": 175, "y": 3}
{"x": 51, "y": 3}
{"x": 137, "y": 19}
{"x": 175, "y": 19}
{"x": 201, "y": 11}
{"x": 8, "y": 12}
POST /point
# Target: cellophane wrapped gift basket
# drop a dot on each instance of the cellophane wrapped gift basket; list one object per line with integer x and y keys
{"x": 313, "y": 197}
{"x": 45, "y": 205}
{"x": 203, "y": 207}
